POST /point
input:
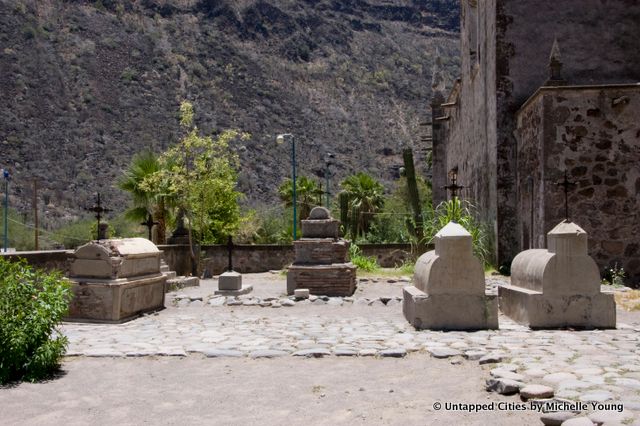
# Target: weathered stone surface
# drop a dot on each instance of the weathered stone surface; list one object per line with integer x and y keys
{"x": 301, "y": 293}
{"x": 393, "y": 353}
{"x": 578, "y": 421}
{"x": 534, "y": 391}
{"x": 116, "y": 280}
{"x": 556, "y": 419}
{"x": 491, "y": 359}
{"x": 443, "y": 352}
{"x": 230, "y": 280}
{"x": 449, "y": 291}
{"x": 558, "y": 287}
{"x": 330, "y": 280}
{"x": 221, "y": 353}
{"x": 267, "y": 353}
{"x": 315, "y": 352}
{"x": 504, "y": 386}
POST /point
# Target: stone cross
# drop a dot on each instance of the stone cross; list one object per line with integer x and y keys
{"x": 566, "y": 184}
{"x": 453, "y": 187}
{"x": 98, "y": 210}
{"x": 149, "y": 224}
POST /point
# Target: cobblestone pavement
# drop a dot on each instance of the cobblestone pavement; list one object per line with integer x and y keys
{"x": 599, "y": 369}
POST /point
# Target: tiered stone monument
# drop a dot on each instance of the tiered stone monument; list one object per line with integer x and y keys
{"x": 321, "y": 258}
{"x": 558, "y": 287}
{"x": 115, "y": 280}
{"x": 449, "y": 289}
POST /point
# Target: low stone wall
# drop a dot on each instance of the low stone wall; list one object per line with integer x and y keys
{"x": 246, "y": 258}
{"x": 262, "y": 258}
{"x": 49, "y": 260}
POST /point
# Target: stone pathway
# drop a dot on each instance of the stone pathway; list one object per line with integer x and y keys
{"x": 582, "y": 371}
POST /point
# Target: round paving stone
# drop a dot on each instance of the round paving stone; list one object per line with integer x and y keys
{"x": 556, "y": 378}
{"x": 536, "y": 392}
{"x": 504, "y": 386}
{"x": 596, "y": 396}
{"x": 443, "y": 352}
{"x": 556, "y": 419}
{"x": 578, "y": 421}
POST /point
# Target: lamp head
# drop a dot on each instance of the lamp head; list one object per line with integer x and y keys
{"x": 280, "y": 138}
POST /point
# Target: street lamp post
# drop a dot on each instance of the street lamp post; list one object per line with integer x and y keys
{"x": 280, "y": 139}
{"x": 5, "y": 174}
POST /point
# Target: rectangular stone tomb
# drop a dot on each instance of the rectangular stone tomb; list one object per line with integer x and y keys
{"x": 558, "y": 287}
{"x": 115, "y": 280}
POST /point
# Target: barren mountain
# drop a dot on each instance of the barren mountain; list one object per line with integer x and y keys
{"x": 87, "y": 84}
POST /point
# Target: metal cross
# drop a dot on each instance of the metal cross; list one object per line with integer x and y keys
{"x": 453, "y": 187}
{"x": 230, "y": 251}
{"x": 98, "y": 210}
{"x": 566, "y": 184}
{"x": 149, "y": 224}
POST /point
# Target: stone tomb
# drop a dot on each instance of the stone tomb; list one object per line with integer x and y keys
{"x": 115, "y": 280}
{"x": 449, "y": 288}
{"x": 321, "y": 258}
{"x": 558, "y": 287}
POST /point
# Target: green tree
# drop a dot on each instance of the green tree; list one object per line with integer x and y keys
{"x": 147, "y": 200}
{"x": 366, "y": 198}
{"x": 308, "y": 195}
{"x": 200, "y": 175}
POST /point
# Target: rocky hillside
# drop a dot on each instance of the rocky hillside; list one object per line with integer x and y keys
{"x": 86, "y": 84}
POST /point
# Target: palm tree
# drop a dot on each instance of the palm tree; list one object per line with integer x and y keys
{"x": 366, "y": 197}
{"x": 308, "y": 195}
{"x": 146, "y": 202}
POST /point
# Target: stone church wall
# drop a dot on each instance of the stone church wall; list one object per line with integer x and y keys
{"x": 513, "y": 39}
{"x": 593, "y": 133}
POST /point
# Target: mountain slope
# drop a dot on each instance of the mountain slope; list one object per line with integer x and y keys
{"x": 87, "y": 84}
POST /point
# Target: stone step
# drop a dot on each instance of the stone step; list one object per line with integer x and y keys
{"x": 181, "y": 282}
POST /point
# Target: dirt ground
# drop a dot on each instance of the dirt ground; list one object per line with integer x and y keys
{"x": 196, "y": 390}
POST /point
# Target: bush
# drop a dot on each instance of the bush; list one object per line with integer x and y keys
{"x": 463, "y": 213}
{"x": 32, "y": 304}
{"x": 366, "y": 263}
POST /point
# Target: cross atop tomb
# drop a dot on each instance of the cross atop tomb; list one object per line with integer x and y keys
{"x": 98, "y": 210}
{"x": 149, "y": 224}
{"x": 453, "y": 187}
{"x": 566, "y": 184}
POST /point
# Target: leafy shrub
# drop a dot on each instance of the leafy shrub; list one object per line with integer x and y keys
{"x": 366, "y": 263}
{"x": 614, "y": 276}
{"x": 32, "y": 304}
{"x": 463, "y": 213}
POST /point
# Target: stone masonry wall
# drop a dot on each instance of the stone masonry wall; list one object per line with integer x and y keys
{"x": 50, "y": 260}
{"x": 594, "y": 134}
{"x": 470, "y": 139}
{"x": 505, "y": 47}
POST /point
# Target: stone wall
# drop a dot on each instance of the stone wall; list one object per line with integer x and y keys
{"x": 262, "y": 258}
{"x": 593, "y": 132}
{"x": 513, "y": 39}
{"x": 470, "y": 111}
{"x": 52, "y": 260}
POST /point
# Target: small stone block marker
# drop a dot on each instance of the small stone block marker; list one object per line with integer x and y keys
{"x": 301, "y": 293}
{"x": 558, "y": 287}
{"x": 449, "y": 291}
{"x": 230, "y": 280}
{"x": 230, "y": 284}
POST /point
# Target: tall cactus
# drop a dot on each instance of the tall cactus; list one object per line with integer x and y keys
{"x": 414, "y": 198}
{"x": 343, "y": 198}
